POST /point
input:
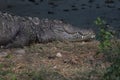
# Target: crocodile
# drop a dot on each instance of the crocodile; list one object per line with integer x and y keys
{"x": 18, "y": 31}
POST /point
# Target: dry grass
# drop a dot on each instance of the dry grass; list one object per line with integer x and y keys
{"x": 39, "y": 62}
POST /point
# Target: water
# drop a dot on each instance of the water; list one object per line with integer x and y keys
{"x": 81, "y": 13}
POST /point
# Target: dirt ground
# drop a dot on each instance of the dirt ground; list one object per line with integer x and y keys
{"x": 53, "y": 61}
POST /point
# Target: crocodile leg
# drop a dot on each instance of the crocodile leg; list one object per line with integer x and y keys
{"x": 19, "y": 41}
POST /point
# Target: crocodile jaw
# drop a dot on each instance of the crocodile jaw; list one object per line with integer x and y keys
{"x": 74, "y": 35}
{"x": 89, "y": 37}
{"x": 81, "y": 35}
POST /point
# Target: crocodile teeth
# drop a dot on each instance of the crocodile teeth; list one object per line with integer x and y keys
{"x": 93, "y": 36}
{"x": 82, "y": 37}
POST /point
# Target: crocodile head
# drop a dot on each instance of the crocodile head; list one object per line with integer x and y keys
{"x": 70, "y": 33}
{"x": 57, "y": 30}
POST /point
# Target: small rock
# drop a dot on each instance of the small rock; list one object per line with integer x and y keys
{"x": 59, "y": 55}
{"x": 3, "y": 54}
{"x": 83, "y": 42}
{"x": 20, "y": 51}
{"x": 55, "y": 67}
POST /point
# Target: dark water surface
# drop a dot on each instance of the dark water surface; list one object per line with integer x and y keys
{"x": 81, "y": 13}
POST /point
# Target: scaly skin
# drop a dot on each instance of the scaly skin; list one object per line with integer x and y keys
{"x": 16, "y": 31}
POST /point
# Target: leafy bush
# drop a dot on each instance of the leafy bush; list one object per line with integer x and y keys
{"x": 111, "y": 48}
{"x": 113, "y": 72}
{"x": 104, "y": 35}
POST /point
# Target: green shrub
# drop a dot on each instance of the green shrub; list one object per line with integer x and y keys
{"x": 111, "y": 48}
{"x": 104, "y": 35}
{"x": 113, "y": 72}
